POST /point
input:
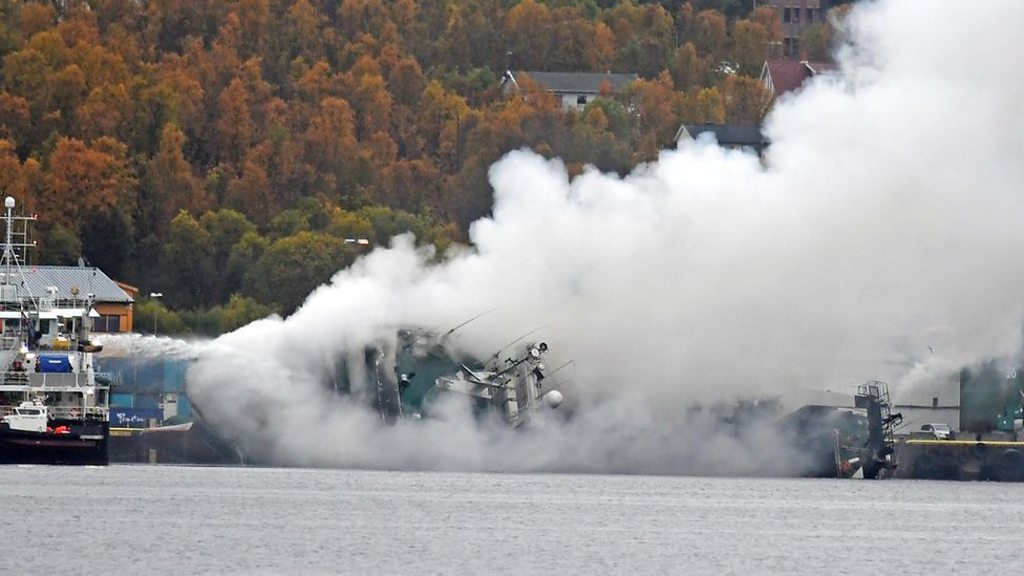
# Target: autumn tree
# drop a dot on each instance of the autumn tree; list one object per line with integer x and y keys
{"x": 745, "y": 100}
{"x": 235, "y": 126}
{"x": 710, "y": 33}
{"x": 690, "y": 70}
{"x": 528, "y": 28}
{"x": 170, "y": 185}
{"x": 654, "y": 103}
{"x": 250, "y": 193}
{"x": 81, "y": 180}
{"x": 768, "y": 17}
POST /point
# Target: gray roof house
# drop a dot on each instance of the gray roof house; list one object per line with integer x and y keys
{"x": 574, "y": 89}
{"x": 71, "y": 279}
{"x": 74, "y": 284}
{"x": 727, "y": 135}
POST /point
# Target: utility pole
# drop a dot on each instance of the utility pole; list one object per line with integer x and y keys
{"x": 155, "y": 296}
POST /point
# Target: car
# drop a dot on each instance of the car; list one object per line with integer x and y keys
{"x": 940, "y": 431}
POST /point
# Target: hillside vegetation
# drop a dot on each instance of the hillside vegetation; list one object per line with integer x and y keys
{"x": 221, "y": 152}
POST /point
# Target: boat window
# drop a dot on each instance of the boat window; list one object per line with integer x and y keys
{"x": 29, "y": 412}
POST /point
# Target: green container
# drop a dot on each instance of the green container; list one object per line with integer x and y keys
{"x": 989, "y": 397}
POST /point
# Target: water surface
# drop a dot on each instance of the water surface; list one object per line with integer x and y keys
{"x": 207, "y": 520}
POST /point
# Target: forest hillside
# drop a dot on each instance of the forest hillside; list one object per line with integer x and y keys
{"x": 232, "y": 154}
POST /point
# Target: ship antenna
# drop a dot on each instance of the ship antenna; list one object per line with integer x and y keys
{"x": 422, "y": 333}
{"x": 498, "y": 352}
{"x": 480, "y": 315}
{"x": 8, "y": 248}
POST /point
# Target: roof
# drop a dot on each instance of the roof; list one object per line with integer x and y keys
{"x": 727, "y": 135}
{"x": 781, "y": 76}
{"x": 574, "y": 82}
{"x": 87, "y": 280}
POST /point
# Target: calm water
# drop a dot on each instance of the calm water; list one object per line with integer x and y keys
{"x": 190, "y": 520}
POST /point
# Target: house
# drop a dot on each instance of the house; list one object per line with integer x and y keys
{"x": 112, "y": 311}
{"x": 732, "y": 136}
{"x": 781, "y": 76}
{"x": 574, "y": 89}
{"x": 796, "y": 16}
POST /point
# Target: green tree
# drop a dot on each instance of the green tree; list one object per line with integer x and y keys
{"x": 292, "y": 267}
{"x": 750, "y": 45}
{"x": 225, "y": 228}
{"x": 187, "y": 264}
{"x": 61, "y": 246}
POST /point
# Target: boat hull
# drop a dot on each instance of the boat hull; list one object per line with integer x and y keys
{"x": 87, "y": 447}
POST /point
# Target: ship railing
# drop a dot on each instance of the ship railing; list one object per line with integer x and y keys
{"x": 59, "y": 379}
{"x": 12, "y": 378}
{"x": 77, "y": 412}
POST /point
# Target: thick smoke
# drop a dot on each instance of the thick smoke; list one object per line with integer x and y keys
{"x": 878, "y": 239}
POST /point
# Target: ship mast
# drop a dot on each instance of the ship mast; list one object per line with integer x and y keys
{"x": 8, "y": 243}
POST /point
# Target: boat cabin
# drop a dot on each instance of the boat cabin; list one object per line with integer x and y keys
{"x": 27, "y": 417}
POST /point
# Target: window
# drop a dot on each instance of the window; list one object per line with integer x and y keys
{"x": 787, "y": 14}
{"x": 107, "y": 323}
{"x": 810, "y": 14}
{"x": 790, "y": 46}
{"x": 581, "y": 100}
{"x": 796, "y": 15}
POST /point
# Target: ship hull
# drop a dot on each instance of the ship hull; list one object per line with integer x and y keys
{"x": 90, "y": 447}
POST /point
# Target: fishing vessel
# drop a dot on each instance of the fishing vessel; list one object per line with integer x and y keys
{"x": 54, "y": 407}
{"x": 405, "y": 376}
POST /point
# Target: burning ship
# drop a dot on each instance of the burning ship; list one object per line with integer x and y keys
{"x": 848, "y": 442}
{"x": 404, "y": 376}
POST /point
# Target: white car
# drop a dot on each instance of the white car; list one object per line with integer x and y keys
{"x": 940, "y": 431}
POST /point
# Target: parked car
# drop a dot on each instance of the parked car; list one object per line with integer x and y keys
{"x": 940, "y": 431}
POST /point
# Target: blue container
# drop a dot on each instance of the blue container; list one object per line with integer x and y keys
{"x": 54, "y": 363}
{"x": 184, "y": 407}
{"x": 174, "y": 374}
{"x": 122, "y": 400}
{"x": 147, "y": 401}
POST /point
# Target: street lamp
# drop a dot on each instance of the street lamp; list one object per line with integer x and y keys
{"x": 155, "y": 295}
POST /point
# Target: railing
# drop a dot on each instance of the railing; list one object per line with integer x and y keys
{"x": 67, "y": 412}
{"x": 76, "y": 412}
{"x": 48, "y": 380}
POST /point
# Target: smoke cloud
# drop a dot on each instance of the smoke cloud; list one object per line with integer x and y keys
{"x": 883, "y": 223}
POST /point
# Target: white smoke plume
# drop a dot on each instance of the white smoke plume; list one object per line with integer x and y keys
{"x": 884, "y": 222}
